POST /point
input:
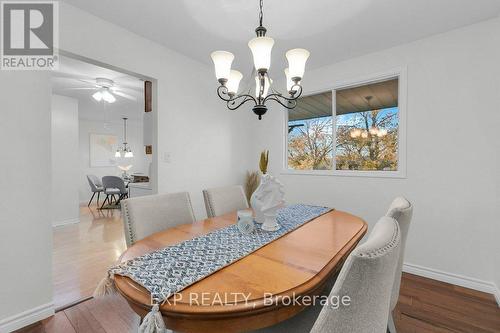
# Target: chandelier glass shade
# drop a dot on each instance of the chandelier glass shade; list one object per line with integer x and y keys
{"x": 261, "y": 47}
{"x": 222, "y": 61}
{"x": 297, "y": 62}
{"x": 261, "y": 50}
{"x": 233, "y": 82}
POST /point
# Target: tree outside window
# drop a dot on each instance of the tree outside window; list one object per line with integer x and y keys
{"x": 310, "y": 144}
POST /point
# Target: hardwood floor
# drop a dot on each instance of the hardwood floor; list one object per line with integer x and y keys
{"x": 82, "y": 253}
{"x": 425, "y": 306}
{"x": 110, "y": 314}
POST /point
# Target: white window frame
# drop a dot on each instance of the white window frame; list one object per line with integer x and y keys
{"x": 399, "y": 73}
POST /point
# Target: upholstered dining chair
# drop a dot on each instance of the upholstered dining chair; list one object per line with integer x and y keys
{"x": 222, "y": 200}
{"x": 401, "y": 210}
{"x": 146, "y": 215}
{"x": 367, "y": 278}
{"x": 95, "y": 186}
{"x": 113, "y": 185}
{"x": 366, "y": 264}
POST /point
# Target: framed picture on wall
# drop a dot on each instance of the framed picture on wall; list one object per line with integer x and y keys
{"x": 102, "y": 150}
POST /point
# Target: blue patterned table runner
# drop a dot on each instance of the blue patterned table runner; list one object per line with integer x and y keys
{"x": 169, "y": 270}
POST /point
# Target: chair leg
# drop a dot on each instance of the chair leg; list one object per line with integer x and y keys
{"x": 93, "y": 194}
{"x": 98, "y": 195}
{"x": 391, "y": 328}
{"x": 106, "y": 199}
{"x": 121, "y": 197}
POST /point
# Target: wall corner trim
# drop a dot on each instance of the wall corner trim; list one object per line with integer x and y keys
{"x": 26, "y": 318}
{"x": 497, "y": 295}
{"x": 459, "y": 280}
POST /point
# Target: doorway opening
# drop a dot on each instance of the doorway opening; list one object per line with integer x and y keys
{"x": 103, "y": 151}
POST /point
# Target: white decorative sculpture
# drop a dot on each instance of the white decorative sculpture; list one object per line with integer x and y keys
{"x": 266, "y": 200}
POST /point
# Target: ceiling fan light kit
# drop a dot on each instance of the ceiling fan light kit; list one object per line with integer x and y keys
{"x": 104, "y": 95}
{"x": 261, "y": 47}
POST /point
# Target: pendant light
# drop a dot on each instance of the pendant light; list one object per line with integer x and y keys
{"x": 125, "y": 149}
{"x": 261, "y": 47}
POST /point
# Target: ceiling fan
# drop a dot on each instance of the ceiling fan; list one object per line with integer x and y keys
{"x": 106, "y": 90}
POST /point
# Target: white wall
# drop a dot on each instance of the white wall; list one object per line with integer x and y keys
{"x": 208, "y": 145}
{"x": 65, "y": 166}
{"x": 140, "y": 161}
{"x": 453, "y": 176}
{"x": 25, "y": 221}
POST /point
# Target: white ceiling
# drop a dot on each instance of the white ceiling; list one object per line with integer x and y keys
{"x": 75, "y": 74}
{"x": 333, "y": 30}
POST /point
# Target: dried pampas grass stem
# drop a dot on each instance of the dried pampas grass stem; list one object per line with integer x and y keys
{"x": 251, "y": 182}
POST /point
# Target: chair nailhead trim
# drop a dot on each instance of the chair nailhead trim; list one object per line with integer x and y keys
{"x": 382, "y": 250}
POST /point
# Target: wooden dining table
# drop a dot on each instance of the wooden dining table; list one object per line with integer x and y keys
{"x": 237, "y": 297}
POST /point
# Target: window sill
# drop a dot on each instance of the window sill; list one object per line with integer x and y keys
{"x": 345, "y": 173}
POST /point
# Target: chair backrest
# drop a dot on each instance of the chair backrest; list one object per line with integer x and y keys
{"x": 401, "y": 210}
{"x": 146, "y": 215}
{"x": 366, "y": 278}
{"x": 222, "y": 200}
{"x": 94, "y": 183}
{"x": 114, "y": 182}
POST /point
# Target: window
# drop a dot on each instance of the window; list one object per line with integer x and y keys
{"x": 351, "y": 130}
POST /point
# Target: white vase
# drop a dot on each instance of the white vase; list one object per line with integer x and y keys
{"x": 256, "y": 205}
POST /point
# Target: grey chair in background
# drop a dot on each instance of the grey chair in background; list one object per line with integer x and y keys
{"x": 367, "y": 277}
{"x": 113, "y": 185}
{"x": 222, "y": 200}
{"x": 401, "y": 210}
{"x": 95, "y": 186}
{"x": 146, "y": 215}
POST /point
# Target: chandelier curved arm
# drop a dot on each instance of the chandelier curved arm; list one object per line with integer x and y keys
{"x": 295, "y": 96}
{"x": 234, "y": 102}
{"x": 222, "y": 93}
{"x": 286, "y": 102}
{"x": 239, "y": 100}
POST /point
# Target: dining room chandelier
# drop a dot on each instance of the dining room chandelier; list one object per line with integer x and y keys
{"x": 261, "y": 47}
{"x": 127, "y": 152}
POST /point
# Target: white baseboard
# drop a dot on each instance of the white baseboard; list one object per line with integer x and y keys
{"x": 26, "y": 318}
{"x": 65, "y": 222}
{"x": 459, "y": 280}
